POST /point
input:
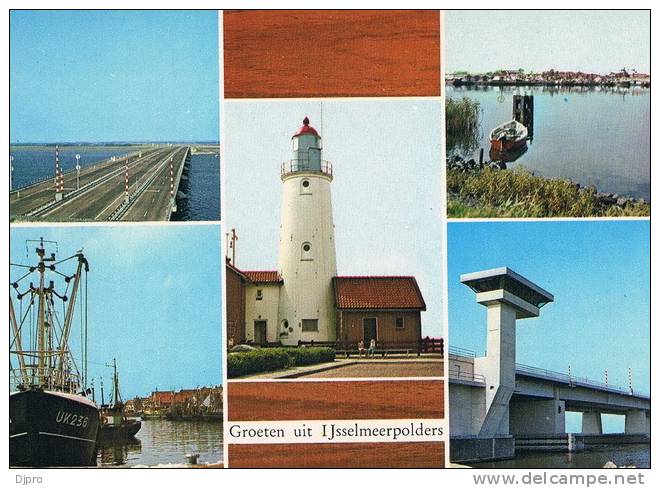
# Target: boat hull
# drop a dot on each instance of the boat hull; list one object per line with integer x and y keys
{"x": 127, "y": 430}
{"x": 52, "y": 429}
{"x": 507, "y": 145}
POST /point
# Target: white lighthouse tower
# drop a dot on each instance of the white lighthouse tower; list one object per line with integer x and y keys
{"x": 307, "y": 261}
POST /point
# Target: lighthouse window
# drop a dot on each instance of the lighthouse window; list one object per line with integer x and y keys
{"x": 310, "y": 325}
{"x": 306, "y": 252}
{"x": 260, "y": 294}
{"x": 305, "y": 187}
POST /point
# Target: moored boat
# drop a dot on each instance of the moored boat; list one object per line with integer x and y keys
{"x": 508, "y": 136}
{"x": 51, "y": 420}
{"x": 115, "y": 425}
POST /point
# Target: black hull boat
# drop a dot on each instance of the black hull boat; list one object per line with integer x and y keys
{"x": 114, "y": 423}
{"x": 51, "y": 421}
{"x": 124, "y": 431}
{"x": 50, "y": 428}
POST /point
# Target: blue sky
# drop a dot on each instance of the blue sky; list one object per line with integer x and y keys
{"x": 154, "y": 301}
{"x": 113, "y": 76}
{"x": 599, "y": 273}
{"x": 385, "y": 194}
{"x": 584, "y": 40}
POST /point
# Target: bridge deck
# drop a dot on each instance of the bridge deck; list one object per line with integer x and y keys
{"x": 102, "y": 190}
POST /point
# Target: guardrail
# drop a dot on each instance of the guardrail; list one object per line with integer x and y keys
{"x": 90, "y": 166}
{"x": 465, "y": 376}
{"x": 459, "y": 351}
{"x": 571, "y": 380}
{"x": 50, "y": 378}
{"x": 295, "y": 165}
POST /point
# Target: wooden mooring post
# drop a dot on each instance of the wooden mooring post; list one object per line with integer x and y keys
{"x": 523, "y": 112}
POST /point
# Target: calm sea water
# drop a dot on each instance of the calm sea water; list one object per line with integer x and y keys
{"x": 38, "y": 162}
{"x": 202, "y": 190}
{"x": 632, "y": 455}
{"x": 595, "y": 137}
{"x": 166, "y": 442}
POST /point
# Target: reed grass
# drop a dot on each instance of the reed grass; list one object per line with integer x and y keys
{"x": 520, "y": 193}
{"x": 463, "y": 119}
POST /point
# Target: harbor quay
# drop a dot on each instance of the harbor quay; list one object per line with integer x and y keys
{"x": 204, "y": 403}
{"x": 499, "y": 408}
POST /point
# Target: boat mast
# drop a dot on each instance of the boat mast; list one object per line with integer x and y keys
{"x": 115, "y": 383}
{"x": 41, "y": 314}
{"x": 64, "y": 342}
{"x": 46, "y": 361}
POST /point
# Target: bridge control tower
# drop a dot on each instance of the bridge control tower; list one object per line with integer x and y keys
{"x": 508, "y": 297}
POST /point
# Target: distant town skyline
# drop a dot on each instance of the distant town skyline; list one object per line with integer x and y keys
{"x": 104, "y": 75}
{"x": 591, "y": 41}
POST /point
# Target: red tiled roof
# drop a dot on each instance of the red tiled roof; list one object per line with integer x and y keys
{"x": 263, "y": 276}
{"x": 378, "y": 292}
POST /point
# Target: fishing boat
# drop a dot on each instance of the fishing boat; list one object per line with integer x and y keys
{"x": 52, "y": 422}
{"x": 115, "y": 425}
{"x": 508, "y": 136}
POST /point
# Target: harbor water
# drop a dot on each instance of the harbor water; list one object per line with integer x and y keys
{"x": 591, "y": 135}
{"x": 161, "y": 441}
{"x": 630, "y": 455}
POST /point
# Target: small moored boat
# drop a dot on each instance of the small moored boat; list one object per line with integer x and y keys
{"x": 115, "y": 425}
{"x": 508, "y": 136}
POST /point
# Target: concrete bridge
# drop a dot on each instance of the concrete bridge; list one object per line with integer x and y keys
{"x": 141, "y": 186}
{"x": 498, "y": 406}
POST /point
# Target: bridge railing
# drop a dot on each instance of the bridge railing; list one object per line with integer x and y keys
{"x": 570, "y": 379}
{"x": 466, "y": 376}
{"x": 460, "y": 351}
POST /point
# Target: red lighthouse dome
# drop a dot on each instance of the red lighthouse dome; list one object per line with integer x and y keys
{"x": 306, "y": 129}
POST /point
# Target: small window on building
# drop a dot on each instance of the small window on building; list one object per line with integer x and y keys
{"x": 260, "y": 294}
{"x": 399, "y": 323}
{"x": 306, "y": 187}
{"x": 306, "y": 252}
{"x": 310, "y": 325}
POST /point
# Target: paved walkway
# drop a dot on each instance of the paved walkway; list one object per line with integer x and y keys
{"x": 362, "y": 368}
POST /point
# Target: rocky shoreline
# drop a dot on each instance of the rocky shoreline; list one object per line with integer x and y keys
{"x": 604, "y": 199}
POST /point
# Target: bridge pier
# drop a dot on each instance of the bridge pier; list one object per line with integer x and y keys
{"x": 638, "y": 422}
{"x": 592, "y": 423}
{"x": 538, "y": 417}
{"x": 507, "y": 297}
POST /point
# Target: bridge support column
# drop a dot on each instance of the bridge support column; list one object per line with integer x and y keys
{"x": 637, "y": 422}
{"x": 507, "y": 297}
{"x": 592, "y": 423}
{"x": 537, "y": 417}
